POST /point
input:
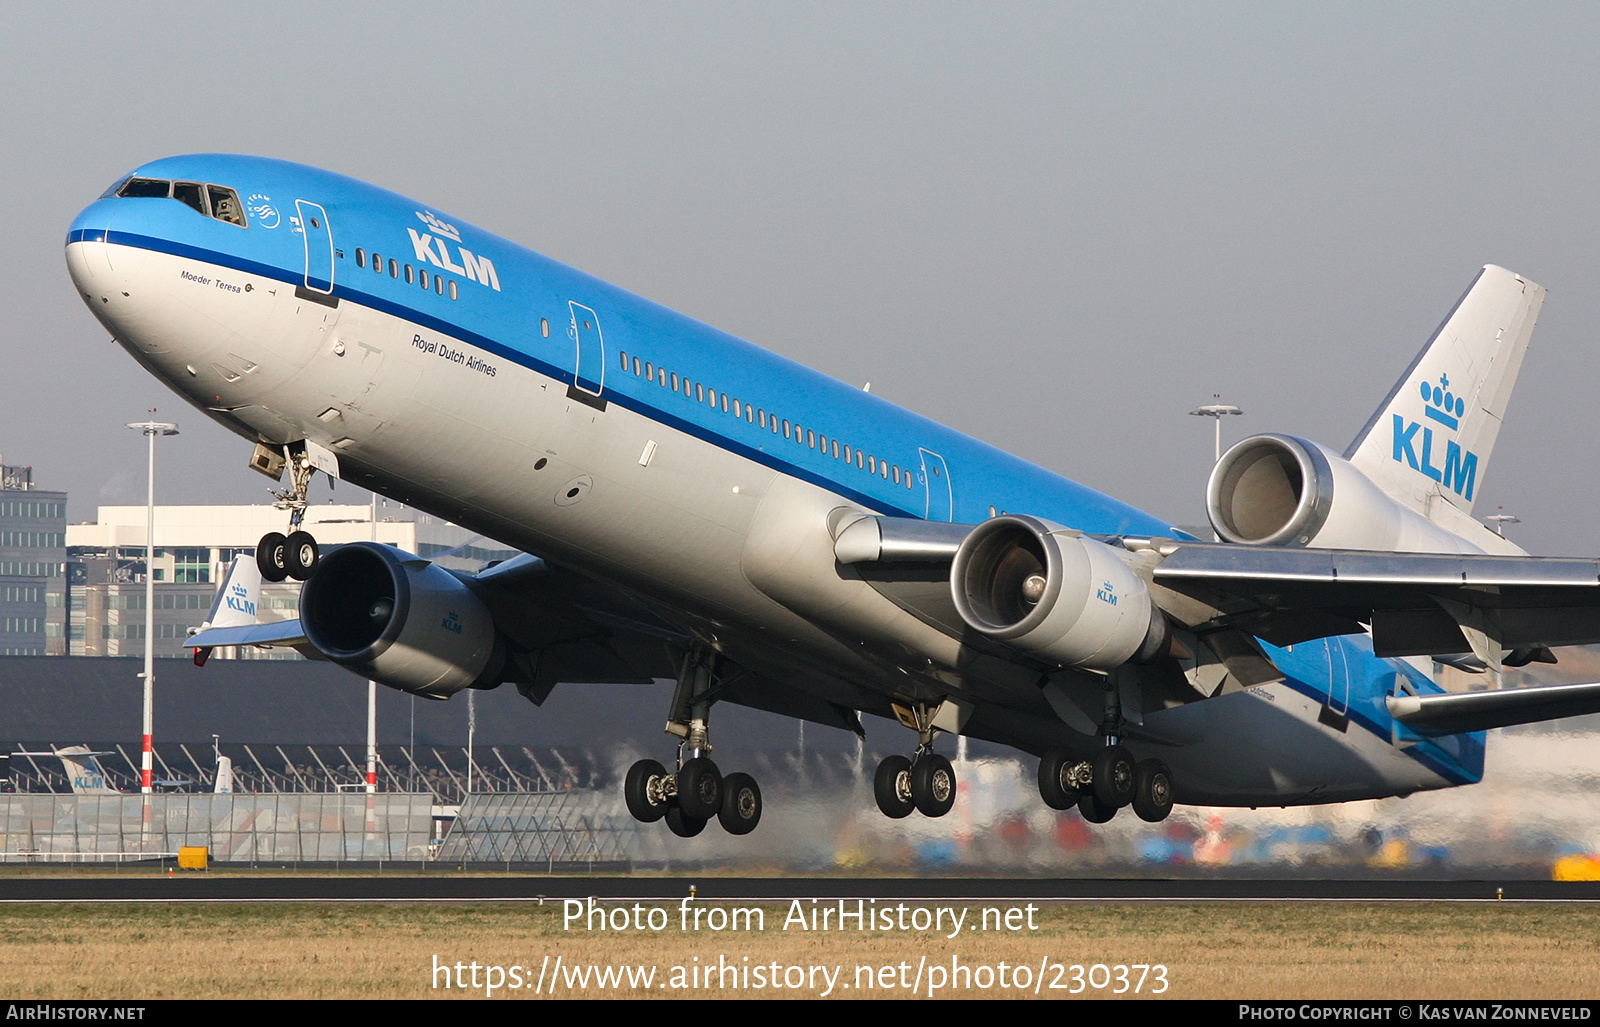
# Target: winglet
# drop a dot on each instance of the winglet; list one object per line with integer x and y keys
{"x": 1431, "y": 439}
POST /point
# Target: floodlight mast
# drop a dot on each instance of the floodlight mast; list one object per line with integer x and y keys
{"x": 1216, "y": 411}
{"x": 151, "y": 429}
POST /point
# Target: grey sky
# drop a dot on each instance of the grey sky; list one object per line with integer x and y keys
{"x": 1057, "y": 227}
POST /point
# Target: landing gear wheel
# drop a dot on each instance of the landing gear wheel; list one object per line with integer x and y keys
{"x": 933, "y": 785}
{"x": 272, "y": 556}
{"x": 1091, "y": 810}
{"x": 1113, "y": 777}
{"x": 301, "y": 555}
{"x": 1055, "y": 788}
{"x": 891, "y": 786}
{"x": 681, "y": 824}
{"x": 700, "y": 790}
{"x": 1152, "y": 792}
{"x": 741, "y": 804}
{"x": 636, "y": 791}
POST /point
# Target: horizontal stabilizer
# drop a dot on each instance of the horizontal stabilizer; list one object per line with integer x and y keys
{"x": 287, "y": 633}
{"x": 1479, "y": 711}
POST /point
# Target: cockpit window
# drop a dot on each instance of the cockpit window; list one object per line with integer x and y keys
{"x": 190, "y": 193}
{"x": 145, "y": 187}
{"x": 116, "y": 187}
{"x": 225, "y": 205}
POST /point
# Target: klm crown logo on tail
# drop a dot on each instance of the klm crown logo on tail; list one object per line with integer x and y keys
{"x": 1460, "y": 470}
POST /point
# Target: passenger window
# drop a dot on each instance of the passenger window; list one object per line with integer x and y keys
{"x": 225, "y": 205}
{"x": 452, "y": 288}
{"x": 189, "y": 194}
{"x": 699, "y": 393}
{"x": 836, "y": 449}
{"x": 409, "y": 279}
{"x": 750, "y": 413}
{"x": 637, "y": 367}
{"x": 145, "y": 187}
{"x": 785, "y": 427}
{"x": 738, "y": 411}
{"x": 544, "y": 327}
{"x": 872, "y": 465}
{"x": 724, "y": 402}
{"x": 761, "y": 418}
{"x": 438, "y": 285}
{"x": 711, "y": 396}
{"x": 394, "y": 268}
{"x": 361, "y": 257}
{"x": 896, "y": 474}
{"x": 883, "y": 469}
{"x": 811, "y": 439}
{"x": 674, "y": 381}
{"x": 624, "y": 360}
{"x": 377, "y": 263}
{"x": 847, "y": 457}
{"x": 649, "y": 371}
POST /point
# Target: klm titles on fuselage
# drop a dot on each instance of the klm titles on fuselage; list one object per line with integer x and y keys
{"x": 1415, "y": 445}
{"x": 431, "y": 248}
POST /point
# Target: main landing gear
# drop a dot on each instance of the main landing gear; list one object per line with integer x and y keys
{"x": 296, "y": 554}
{"x": 1111, "y": 780}
{"x": 926, "y": 782}
{"x": 696, "y": 793}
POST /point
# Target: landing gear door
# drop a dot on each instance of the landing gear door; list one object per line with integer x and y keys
{"x": 313, "y": 227}
{"x": 936, "y": 487}
{"x": 589, "y": 358}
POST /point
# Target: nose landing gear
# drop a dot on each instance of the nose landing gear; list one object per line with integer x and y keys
{"x": 296, "y": 554}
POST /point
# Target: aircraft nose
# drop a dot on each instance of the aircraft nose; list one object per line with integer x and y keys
{"x": 88, "y": 256}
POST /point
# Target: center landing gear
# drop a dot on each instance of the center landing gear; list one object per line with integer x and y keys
{"x": 926, "y": 782}
{"x": 697, "y": 793}
{"x": 296, "y": 554}
{"x": 1110, "y": 780}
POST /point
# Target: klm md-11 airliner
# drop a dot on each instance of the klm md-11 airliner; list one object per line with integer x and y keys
{"x": 693, "y": 507}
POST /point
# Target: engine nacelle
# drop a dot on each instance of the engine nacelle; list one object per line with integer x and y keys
{"x": 1279, "y": 490}
{"x": 1054, "y": 593}
{"x": 399, "y": 620}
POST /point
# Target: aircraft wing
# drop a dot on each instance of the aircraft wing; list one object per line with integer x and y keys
{"x": 1415, "y": 603}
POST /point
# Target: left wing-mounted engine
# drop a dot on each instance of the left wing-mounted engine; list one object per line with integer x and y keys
{"x": 400, "y": 620}
{"x": 1056, "y": 594}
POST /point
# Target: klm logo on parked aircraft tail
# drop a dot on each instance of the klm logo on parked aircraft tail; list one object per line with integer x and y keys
{"x": 1416, "y": 444}
{"x": 433, "y": 247}
{"x": 239, "y": 599}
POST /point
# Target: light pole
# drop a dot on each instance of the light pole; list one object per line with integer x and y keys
{"x": 1217, "y": 411}
{"x": 151, "y": 429}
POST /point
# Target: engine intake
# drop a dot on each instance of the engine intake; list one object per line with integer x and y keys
{"x": 1055, "y": 593}
{"x": 1280, "y": 490}
{"x": 399, "y": 620}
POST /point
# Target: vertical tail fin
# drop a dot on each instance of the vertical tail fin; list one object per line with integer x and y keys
{"x": 236, "y": 601}
{"x": 1428, "y": 444}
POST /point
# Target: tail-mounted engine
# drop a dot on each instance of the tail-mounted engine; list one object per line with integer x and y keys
{"x": 400, "y": 620}
{"x": 1279, "y": 490}
{"x": 1056, "y": 594}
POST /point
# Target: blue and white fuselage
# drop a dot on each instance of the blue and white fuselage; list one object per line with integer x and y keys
{"x": 480, "y": 381}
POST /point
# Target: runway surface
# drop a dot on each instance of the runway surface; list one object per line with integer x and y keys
{"x": 142, "y": 885}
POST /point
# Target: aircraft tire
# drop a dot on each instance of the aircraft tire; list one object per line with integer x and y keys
{"x": 636, "y": 791}
{"x": 933, "y": 785}
{"x": 700, "y": 789}
{"x": 1090, "y": 809}
{"x": 1054, "y": 789}
{"x": 891, "y": 787}
{"x": 681, "y": 824}
{"x": 1114, "y": 776}
{"x": 1152, "y": 794}
{"x": 272, "y": 556}
{"x": 301, "y": 555}
{"x": 741, "y": 804}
